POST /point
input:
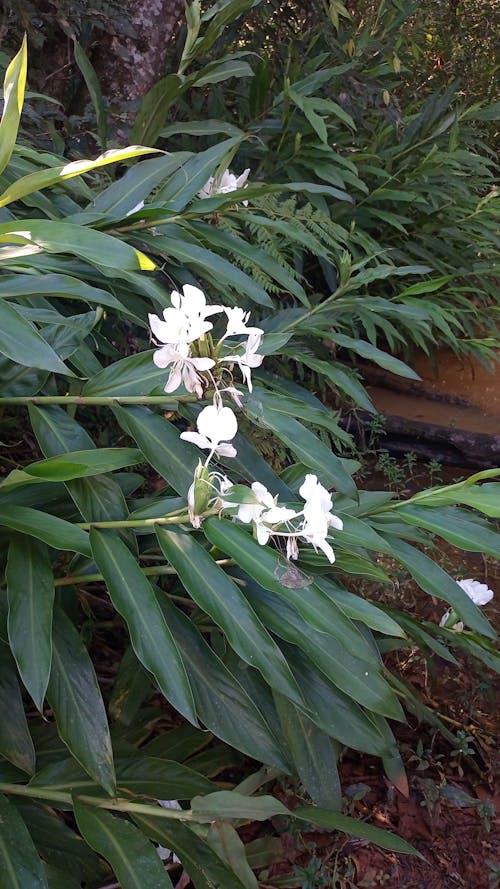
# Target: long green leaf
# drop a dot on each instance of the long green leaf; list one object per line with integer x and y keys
{"x": 205, "y": 867}
{"x": 313, "y": 755}
{"x": 74, "y": 465}
{"x": 134, "y": 375}
{"x": 13, "y": 98}
{"x": 51, "y": 529}
{"x": 66, "y": 237}
{"x": 20, "y": 866}
{"x": 326, "y": 819}
{"x": 21, "y": 342}
{"x": 15, "y": 740}
{"x": 95, "y": 92}
{"x": 159, "y": 441}
{"x": 30, "y": 586}
{"x": 45, "y": 178}
{"x": 132, "y": 857}
{"x": 133, "y": 597}
{"x": 437, "y": 582}
{"x": 240, "y": 722}
{"x": 75, "y": 698}
{"x": 221, "y": 598}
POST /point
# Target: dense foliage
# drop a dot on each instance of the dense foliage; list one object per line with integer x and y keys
{"x": 224, "y": 601}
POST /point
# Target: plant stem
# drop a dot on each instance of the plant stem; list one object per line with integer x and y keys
{"x": 98, "y": 399}
{"x": 173, "y": 519}
{"x": 152, "y": 571}
{"x": 116, "y": 805}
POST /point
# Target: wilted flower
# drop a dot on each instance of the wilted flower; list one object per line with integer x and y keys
{"x": 217, "y": 426}
{"x": 449, "y": 621}
{"x": 478, "y": 592}
{"x": 162, "y": 851}
{"x": 224, "y": 184}
{"x": 185, "y": 368}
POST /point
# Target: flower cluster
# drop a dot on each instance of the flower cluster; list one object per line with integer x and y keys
{"x": 195, "y": 361}
{"x": 188, "y": 348}
{"x": 478, "y": 592}
{"x": 311, "y": 524}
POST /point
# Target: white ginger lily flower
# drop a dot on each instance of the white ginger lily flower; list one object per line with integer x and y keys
{"x": 478, "y": 592}
{"x": 217, "y": 426}
{"x": 249, "y": 360}
{"x": 139, "y": 206}
{"x": 224, "y": 184}
{"x": 264, "y": 512}
{"x": 185, "y": 321}
{"x": 237, "y": 322}
{"x": 162, "y": 851}
{"x": 185, "y": 368}
{"x": 317, "y": 516}
{"x": 277, "y": 515}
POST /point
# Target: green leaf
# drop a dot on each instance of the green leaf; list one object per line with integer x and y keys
{"x": 159, "y": 441}
{"x": 72, "y": 465}
{"x": 75, "y": 698}
{"x": 240, "y": 722}
{"x": 313, "y": 755}
{"x": 94, "y": 88}
{"x": 225, "y": 841}
{"x": 461, "y": 528}
{"x": 133, "y": 598}
{"x": 131, "y": 687}
{"x": 355, "y": 828}
{"x": 125, "y": 193}
{"x": 139, "y": 775}
{"x": 30, "y": 586}
{"x": 65, "y": 237}
{"x": 206, "y": 869}
{"x": 15, "y": 740}
{"x": 154, "y": 106}
{"x": 20, "y": 866}
{"x": 485, "y": 498}
{"x": 22, "y": 343}
{"x": 306, "y": 446}
{"x": 193, "y": 175}
{"x": 133, "y": 858}
{"x": 13, "y": 98}
{"x": 57, "y": 844}
{"x": 227, "y": 804}
{"x": 134, "y": 375}
{"x": 59, "y": 286}
{"x": 438, "y": 583}
{"x": 371, "y": 353}
{"x": 51, "y": 529}
{"x": 53, "y": 175}
{"x": 358, "y": 608}
{"x": 221, "y": 598}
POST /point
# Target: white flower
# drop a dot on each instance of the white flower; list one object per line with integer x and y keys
{"x": 135, "y": 209}
{"x": 448, "y": 622}
{"x": 317, "y": 516}
{"x": 162, "y": 851}
{"x": 265, "y": 526}
{"x": 185, "y": 321}
{"x": 251, "y": 512}
{"x": 237, "y": 322}
{"x": 224, "y": 184}
{"x": 478, "y": 592}
{"x": 248, "y": 360}
{"x": 216, "y": 427}
{"x": 185, "y": 369}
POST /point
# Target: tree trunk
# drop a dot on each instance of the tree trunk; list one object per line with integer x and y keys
{"x": 128, "y": 67}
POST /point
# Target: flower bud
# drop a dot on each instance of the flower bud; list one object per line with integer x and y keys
{"x": 200, "y": 493}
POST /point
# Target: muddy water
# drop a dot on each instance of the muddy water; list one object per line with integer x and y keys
{"x": 461, "y": 395}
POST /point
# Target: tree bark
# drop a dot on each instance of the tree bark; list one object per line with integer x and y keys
{"x": 128, "y": 67}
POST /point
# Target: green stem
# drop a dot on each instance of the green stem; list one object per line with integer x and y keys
{"x": 173, "y": 519}
{"x": 98, "y": 399}
{"x": 116, "y": 805}
{"x": 154, "y": 570}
